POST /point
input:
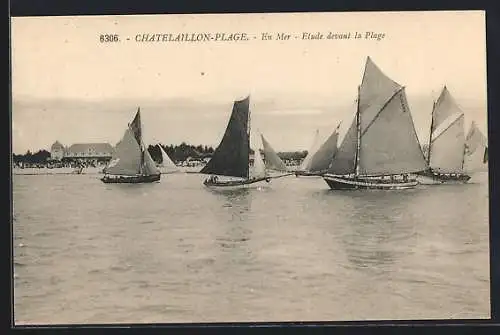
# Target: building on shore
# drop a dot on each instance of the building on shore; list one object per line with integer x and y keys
{"x": 81, "y": 151}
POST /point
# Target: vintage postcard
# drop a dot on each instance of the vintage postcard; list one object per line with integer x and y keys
{"x": 250, "y": 167}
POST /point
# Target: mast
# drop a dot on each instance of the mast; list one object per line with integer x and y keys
{"x": 358, "y": 137}
{"x": 430, "y": 135}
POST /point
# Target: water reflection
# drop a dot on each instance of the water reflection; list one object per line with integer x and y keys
{"x": 379, "y": 230}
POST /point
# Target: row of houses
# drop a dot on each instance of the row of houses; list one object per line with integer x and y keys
{"x": 81, "y": 150}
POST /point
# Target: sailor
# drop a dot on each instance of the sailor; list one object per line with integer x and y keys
{"x": 405, "y": 178}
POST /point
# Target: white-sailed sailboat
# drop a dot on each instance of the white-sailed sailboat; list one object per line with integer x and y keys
{"x": 321, "y": 159}
{"x": 272, "y": 161}
{"x": 381, "y": 148}
{"x": 167, "y": 165}
{"x": 304, "y": 165}
{"x": 446, "y": 150}
{"x": 131, "y": 162}
{"x": 229, "y": 166}
{"x": 476, "y": 153}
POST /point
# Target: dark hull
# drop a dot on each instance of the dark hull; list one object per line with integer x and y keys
{"x": 131, "y": 179}
{"x": 235, "y": 183}
{"x": 357, "y": 183}
{"x": 308, "y": 174}
{"x": 445, "y": 178}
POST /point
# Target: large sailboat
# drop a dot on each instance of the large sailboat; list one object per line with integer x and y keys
{"x": 446, "y": 149}
{"x": 166, "y": 165}
{"x": 320, "y": 160}
{"x": 131, "y": 162}
{"x": 381, "y": 149}
{"x": 229, "y": 166}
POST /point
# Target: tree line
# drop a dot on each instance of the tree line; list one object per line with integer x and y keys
{"x": 176, "y": 152}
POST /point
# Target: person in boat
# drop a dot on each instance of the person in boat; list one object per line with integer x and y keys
{"x": 405, "y": 178}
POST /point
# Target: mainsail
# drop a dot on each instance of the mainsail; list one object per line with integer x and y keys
{"x": 447, "y": 137}
{"x": 304, "y": 166}
{"x": 166, "y": 161}
{"x": 476, "y": 150}
{"x": 273, "y": 162}
{"x": 321, "y": 159}
{"x": 131, "y": 158}
{"x": 381, "y": 139}
{"x": 231, "y": 158}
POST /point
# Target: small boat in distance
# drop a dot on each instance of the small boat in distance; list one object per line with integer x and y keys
{"x": 476, "y": 151}
{"x": 381, "y": 149}
{"x": 446, "y": 149}
{"x": 167, "y": 165}
{"x": 321, "y": 159}
{"x": 131, "y": 162}
{"x": 304, "y": 165}
{"x": 229, "y": 166}
{"x": 272, "y": 161}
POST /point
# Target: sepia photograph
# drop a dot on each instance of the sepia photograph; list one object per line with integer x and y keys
{"x": 188, "y": 168}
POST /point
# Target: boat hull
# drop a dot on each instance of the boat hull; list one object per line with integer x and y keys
{"x": 431, "y": 178}
{"x": 235, "y": 184}
{"x": 308, "y": 174}
{"x": 355, "y": 183}
{"x": 131, "y": 179}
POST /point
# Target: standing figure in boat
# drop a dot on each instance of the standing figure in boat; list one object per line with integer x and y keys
{"x": 131, "y": 162}
{"x": 381, "y": 149}
{"x": 446, "y": 150}
{"x": 229, "y": 166}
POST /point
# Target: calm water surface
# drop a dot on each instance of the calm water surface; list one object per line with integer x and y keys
{"x": 175, "y": 251}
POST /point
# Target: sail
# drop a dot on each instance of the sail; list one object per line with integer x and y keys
{"x": 231, "y": 156}
{"x": 447, "y": 144}
{"x": 273, "y": 162}
{"x": 344, "y": 161}
{"x": 136, "y": 127}
{"x": 126, "y": 159}
{"x": 323, "y": 157}
{"x": 149, "y": 165}
{"x": 259, "y": 168}
{"x": 166, "y": 161}
{"x": 390, "y": 144}
{"x": 304, "y": 166}
{"x": 476, "y": 150}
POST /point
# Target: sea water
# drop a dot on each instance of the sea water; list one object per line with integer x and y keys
{"x": 291, "y": 250}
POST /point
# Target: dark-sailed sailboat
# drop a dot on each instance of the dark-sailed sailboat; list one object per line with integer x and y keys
{"x": 131, "y": 162}
{"x": 381, "y": 149}
{"x": 231, "y": 158}
{"x": 446, "y": 150}
{"x": 321, "y": 159}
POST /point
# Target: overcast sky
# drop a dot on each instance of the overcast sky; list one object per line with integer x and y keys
{"x": 68, "y": 86}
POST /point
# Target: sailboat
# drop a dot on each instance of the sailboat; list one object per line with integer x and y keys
{"x": 304, "y": 165}
{"x": 320, "y": 159}
{"x": 381, "y": 149}
{"x": 131, "y": 162}
{"x": 272, "y": 161}
{"x": 446, "y": 149}
{"x": 167, "y": 165}
{"x": 229, "y": 166}
{"x": 476, "y": 151}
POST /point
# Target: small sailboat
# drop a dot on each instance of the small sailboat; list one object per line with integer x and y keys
{"x": 229, "y": 166}
{"x": 131, "y": 162}
{"x": 304, "y": 165}
{"x": 446, "y": 149}
{"x": 167, "y": 165}
{"x": 272, "y": 161}
{"x": 476, "y": 151}
{"x": 381, "y": 149}
{"x": 320, "y": 160}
